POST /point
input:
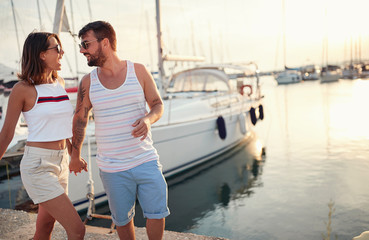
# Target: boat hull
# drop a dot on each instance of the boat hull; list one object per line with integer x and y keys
{"x": 288, "y": 77}
{"x": 330, "y": 78}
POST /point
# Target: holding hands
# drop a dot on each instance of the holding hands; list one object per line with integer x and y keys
{"x": 75, "y": 165}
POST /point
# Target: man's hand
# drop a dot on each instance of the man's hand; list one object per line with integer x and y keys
{"x": 141, "y": 128}
{"x": 77, "y": 165}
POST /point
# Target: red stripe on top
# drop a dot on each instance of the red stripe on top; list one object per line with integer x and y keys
{"x": 53, "y": 99}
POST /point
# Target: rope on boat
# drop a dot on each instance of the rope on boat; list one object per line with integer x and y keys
{"x": 91, "y": 194}
{"x": 90, "y": 184}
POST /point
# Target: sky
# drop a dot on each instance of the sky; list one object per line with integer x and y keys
{"x": 222, "y": 31}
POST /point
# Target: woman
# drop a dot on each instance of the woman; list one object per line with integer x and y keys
{"x": 41, "y": 97}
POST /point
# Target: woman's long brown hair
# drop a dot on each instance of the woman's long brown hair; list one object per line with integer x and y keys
{"x": 33, "y": 67}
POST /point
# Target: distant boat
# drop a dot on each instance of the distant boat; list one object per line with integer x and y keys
{"x": 364, "y": 73}
{"x": 310, "y": 72}
{"x": 351, "y": 71}
{"x": 288, "y": 75}
{"x": 330, "y": 73}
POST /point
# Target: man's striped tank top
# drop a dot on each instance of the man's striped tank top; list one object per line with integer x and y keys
{"x": 115, "y": 110}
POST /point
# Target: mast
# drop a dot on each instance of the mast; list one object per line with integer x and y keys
{"x": 149, "y": 41}
{"x": 160, "y": 50}
{"x": 284, "y": 32}
{"x": 74, "y": 36}
{"x": 89, "y": 10}
{"x": 325, "y": 40}
{"x": 193, "y": 39}
{"x": 16, "y": 29}
{"x": 58, "y": 20}
{"x": 39, "y": 14}
{"x": 167, "y": 57}
{"x": 210, "y": 45}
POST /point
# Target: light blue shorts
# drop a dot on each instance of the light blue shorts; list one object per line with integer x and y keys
{"x": 145, "y": 181}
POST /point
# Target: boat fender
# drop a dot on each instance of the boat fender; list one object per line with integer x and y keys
{"x": 242, "y": 119}
{"x": 221, "y": 127}
{"x": 253, "y": 116}
{"x": 261, "y": 112}
{"x": 243, "y": 86}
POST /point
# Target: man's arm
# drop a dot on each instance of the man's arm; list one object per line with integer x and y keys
{"x": 153, "y": 99}
{"x": 80, "y": 120}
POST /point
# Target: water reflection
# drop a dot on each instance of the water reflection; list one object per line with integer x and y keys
{"x": 214, "y": 185}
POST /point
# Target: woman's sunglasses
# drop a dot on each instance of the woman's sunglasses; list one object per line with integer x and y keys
{"x": 85, "y": 44}
{"x": 57, "y": 47}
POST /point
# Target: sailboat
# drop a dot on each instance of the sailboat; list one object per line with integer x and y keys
{"x": 208, "y": 110}
{"x": 288, "y": 75}
{"x": 329, "y": 73}
{"x": 351, "y": 70}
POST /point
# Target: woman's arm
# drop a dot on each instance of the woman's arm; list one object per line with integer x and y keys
{"x": 15, "y": 105}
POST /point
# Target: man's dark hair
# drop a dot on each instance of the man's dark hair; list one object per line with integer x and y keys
{"x": 101, "y": 30}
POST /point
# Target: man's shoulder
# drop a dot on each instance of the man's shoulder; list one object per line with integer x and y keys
{"x": 140, "y": 68}
{"x": 86, "y": 77}
{"x": 85, "y": 81}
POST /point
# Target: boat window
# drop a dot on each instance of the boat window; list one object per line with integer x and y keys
{"x": 187, "y": 83}
{"x": 215, "y": 84}
{"x": 196, "y": 82}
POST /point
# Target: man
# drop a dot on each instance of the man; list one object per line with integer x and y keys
{"x": 118, "y": 91}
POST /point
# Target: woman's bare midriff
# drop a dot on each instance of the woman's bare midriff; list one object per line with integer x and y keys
{"x": 55, "y": 145}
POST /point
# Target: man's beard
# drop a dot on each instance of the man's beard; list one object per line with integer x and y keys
{"x": 97, "y": 59}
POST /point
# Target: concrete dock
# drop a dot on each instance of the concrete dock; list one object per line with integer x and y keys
{"x": 21, "y": 225}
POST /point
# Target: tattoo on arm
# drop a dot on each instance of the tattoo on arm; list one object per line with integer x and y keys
{"x": 79, "y": 133}
{"x": 81, "y": 93}
{"x": 87, "y": 110}
{"x": 81, "y": 96}
{"x": 156, "y": 101}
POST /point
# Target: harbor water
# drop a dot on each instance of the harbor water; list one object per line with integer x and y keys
{"x": 312, "y": 177}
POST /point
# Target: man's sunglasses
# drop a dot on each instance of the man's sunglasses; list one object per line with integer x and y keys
{"x": 85, "y": 44}
{"x": 57, "y": 47}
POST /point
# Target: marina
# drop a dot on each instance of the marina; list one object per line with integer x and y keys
{"x": 250, "y": 150}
